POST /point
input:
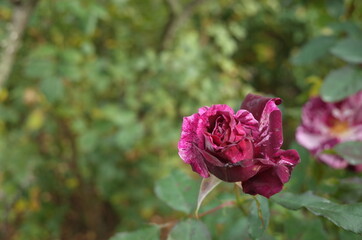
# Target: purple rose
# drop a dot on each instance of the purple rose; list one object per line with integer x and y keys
{"x": 242, "y": 146}
{"x": 326, "y": 124}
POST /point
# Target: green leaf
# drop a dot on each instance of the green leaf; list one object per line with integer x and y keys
{"x": 335, "y": 8}
{"x": 259, "y": 217}
{"x": 178, "y": 191}
{"x": 207, "y": 185}
{"x": 349, "y": 50}
{"x": 150, "y": 233}
{"x": 341, "y": 83}
{"x": 190, "y": 229}
{"x": 52, "y": 88}
{"x": 348, "y": 217}
{"x": 313, "y": 229}
{"x": 350, "y": 151}
{"x": 306, "y": 230}
{"x": 314, "y": 50}
{"x": 344, "y": 235}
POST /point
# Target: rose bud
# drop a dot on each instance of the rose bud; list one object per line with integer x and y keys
{"x": 326, "y": 124}
{"x": 239, "y": 147}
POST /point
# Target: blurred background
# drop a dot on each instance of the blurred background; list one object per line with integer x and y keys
{"x": 92, "y": 95}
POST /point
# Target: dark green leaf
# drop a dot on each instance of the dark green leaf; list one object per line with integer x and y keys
{"x": 150, "y": 233}
{"x": 314, "y": 50}
{"x": 335, "y": 7}
{"x": 189, "y": 230}
{"x": 341, "y": 83}
{"x": 313, "y": 229}
{"x": 350, "y": 151}
{"x": 348, "y": 217}
{"x": 344, "y": 235}
{"x": 349, "y": 50}
{"x": 259, "y": 217}
{"x": 178, "y": 191}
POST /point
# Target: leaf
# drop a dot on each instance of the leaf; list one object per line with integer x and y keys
{"x": 190, "y": 229}
{"x": 314, "y": 50}
{"x": 150, "y": 233}
{"x": 335, "y": 8}
{"x": 178, "y": 191}
{"x": 348, "y": 217}
{"x": 313, "y": 229}
{"x": 207, "y": 185}
{"x": 349, "y": 50}
{"x": 53, "y": 88}
{"x": 348, "y": 235}
{"x": 259, "y": 217}
{"x": 350, "y": 151}
{"x": 341, "y": 83}
{"x": 306, "y": 230}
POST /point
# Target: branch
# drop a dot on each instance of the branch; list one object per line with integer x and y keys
{"x": 226, "y": 204}
{"x": 176, "y": 20}
{"x": 22, "y": 11}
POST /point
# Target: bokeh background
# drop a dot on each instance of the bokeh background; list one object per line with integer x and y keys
{"x": 91, "y": 110}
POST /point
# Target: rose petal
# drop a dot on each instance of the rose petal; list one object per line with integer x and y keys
{"x": 255, "y": 104}
{"x": 332, "y": 160}
{"x": 265, "y": 110}
{"x": 356, "y": 168}
{"x": 309, "y": 140}
{"x": 247, "y": 119}
{"x": 283, "y": 173}
{"x": 270, "y": 130}
{"x": 189, "y": 143}
{"x": 288, "y": 158}
{"x": 237, "y": 152}
{"x": 266, "y": 183}
{"x": 240, "y": 171}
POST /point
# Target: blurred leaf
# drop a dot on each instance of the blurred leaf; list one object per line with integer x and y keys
{"x": 314, "y": 50}
{"x": 349, "y": 50}
{"x": 190, "y": 229}
{"x": 350, "y": 151}
{"x": 335, "y": 7}
{"x": 259, "y": 217}
{"x": 52, "y": 88}
{"x": 348, "y": 217}
{"x": 352, "y": 29}
{"x": 178, "y": 191}
{"x": 341, "y": 83}
{"x": 150, "y": 233}
{"x": 207, "y": 185}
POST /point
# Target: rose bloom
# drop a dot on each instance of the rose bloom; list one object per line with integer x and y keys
{"x": 326, "y": 124}
{"x": 239, "y": 147}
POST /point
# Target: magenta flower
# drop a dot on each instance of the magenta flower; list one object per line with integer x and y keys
{"x": 242, "y": 146}
{"x": 326, "y": 124}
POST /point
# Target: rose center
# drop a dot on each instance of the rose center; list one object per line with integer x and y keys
{"x": 339, "y": 127}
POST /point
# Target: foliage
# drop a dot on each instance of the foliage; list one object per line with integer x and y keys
{"x": 90, "y": 116}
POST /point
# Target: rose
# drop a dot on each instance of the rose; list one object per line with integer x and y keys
{"x": 242, "y": 146}
{"x": 326, "y": 124}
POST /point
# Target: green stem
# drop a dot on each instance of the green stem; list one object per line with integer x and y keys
{"x": 260, "y": 214}
{"x": 240, "y": 200}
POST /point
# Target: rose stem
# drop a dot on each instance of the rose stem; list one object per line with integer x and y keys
{"x": 239, "y": 200}
{"x": 259, "y": 210}
{"x": 225, "y": 204}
